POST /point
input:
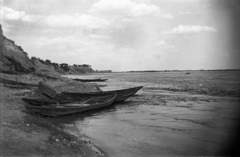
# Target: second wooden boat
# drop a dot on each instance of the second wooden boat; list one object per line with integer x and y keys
{"x": 47, "y": 102}
{"x": 122, "y": 94}
{"x": 91, "y": 80}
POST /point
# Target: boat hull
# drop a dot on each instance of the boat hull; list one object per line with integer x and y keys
{"x": 91, "y": 80}
{"x": 70, "y": 108}
{"x": 122, "y": 94}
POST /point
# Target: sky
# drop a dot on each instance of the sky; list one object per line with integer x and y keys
{"x": 124, "y": 35}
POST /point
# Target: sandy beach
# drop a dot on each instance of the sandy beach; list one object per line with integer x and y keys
{"x": 25, "y": 134}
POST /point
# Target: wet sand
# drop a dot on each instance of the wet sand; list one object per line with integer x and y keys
{"x": 171, "y": 126}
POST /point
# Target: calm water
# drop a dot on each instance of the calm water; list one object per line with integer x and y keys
{"x": 174, "y": 114}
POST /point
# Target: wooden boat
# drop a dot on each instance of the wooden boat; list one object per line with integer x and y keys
{"x": 46, "y": 102}
{"x": 58, "y": 99}
{"x": 122, "y": 94}
{"x": 91, "y": 80}
{"x": 54, "y": 110}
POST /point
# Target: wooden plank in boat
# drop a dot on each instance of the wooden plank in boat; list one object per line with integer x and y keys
{"x": 45, "y": 89}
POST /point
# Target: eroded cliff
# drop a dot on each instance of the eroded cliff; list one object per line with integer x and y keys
{"x": 13, "y": 59}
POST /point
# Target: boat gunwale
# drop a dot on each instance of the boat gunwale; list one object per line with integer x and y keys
{"x": 62, "y": 107}
{"x": 105, "y": 92}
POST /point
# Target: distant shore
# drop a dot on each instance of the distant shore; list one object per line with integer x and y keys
{"x": 26, "y": 134}
{"x": 184, "y": 70}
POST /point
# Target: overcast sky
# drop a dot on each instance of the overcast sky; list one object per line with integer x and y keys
{"x": 124, "y": 35}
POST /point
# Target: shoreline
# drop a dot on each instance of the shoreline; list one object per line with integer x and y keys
{"x": 38, "y": 136}
{"x": 27, "y": 134}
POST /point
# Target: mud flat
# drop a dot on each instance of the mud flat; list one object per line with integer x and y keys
{"x": 25, "y": 134}
{"x": 168, "y": 124}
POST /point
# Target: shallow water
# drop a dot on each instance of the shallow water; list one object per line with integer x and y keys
{"x": 174, "y": 114}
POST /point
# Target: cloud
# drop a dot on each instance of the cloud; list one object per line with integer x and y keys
{"x": 163, "y": 45}
{"x": 110, "y": 6}
{"x": 124, "y": 7}
{"x": 185, "y": 12}
{"x": 161, "y": 42}
{"x": 143, "y": 9}
{"x": 189, "y": 29}
{"x": 69, "y": 42}
{"x": 59, "y": 42}
{"x": 94, "y": 36}
{"x": 167, "y": 16}
{"x": 76, "y": 20}
{"x": 14, "y": 15}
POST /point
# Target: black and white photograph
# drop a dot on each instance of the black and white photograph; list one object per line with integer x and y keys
{"x": 119, "y": 78}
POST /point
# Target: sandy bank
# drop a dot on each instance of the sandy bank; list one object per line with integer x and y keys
{"x": 26, "y": 134}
